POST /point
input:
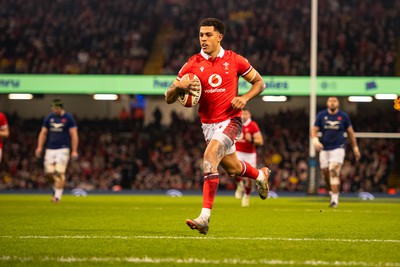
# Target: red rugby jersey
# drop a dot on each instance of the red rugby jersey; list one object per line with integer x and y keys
{"x": 242, "y": 144}
{"x": 3, "y": 124}
{"x": 219, "y": 81}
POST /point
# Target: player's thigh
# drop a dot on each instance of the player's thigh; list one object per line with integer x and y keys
{"x": 61, "y": 160}
{"x": 251, "y": 158}
{"x": 226, "y": 132}
{"x": 231, "y": 164}
{"x": 49, "y": 160}
{"x": 324, "y": 159}
{"x": 336, "y": 156}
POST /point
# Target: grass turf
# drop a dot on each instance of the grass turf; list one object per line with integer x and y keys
{"x": 149, "y": 230}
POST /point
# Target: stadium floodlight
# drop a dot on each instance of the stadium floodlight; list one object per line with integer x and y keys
{"x": 105, "y": 97}
{"x": 360, "y": 98}
{"x": 386, "y": 96}
{"x": 20, "y": 96}
{"x": 274, "y": 98}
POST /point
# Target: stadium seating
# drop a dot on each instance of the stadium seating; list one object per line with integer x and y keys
{"x": 159, "y": 157}
{"x": 116, "y": 36}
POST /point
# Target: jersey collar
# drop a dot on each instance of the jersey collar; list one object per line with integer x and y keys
{"x": 247, "y": 122}
{"x": 207, "y": 57}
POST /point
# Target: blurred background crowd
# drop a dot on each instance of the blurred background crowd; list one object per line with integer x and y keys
{"x": 355, "y": 38}
{"x": 121, "y": 154}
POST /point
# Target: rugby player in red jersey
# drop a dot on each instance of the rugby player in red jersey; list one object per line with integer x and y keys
{"x": 246, "y": 150}
{"x": 4, "y": 131}
{"x": 220, "y": 110}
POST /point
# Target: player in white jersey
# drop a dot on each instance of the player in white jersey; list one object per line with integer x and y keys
{"x": 333, "y": 123}
{"x": 59, "y": 134}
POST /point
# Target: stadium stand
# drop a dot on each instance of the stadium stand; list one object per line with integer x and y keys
{"x": 357, "y": 38}
{"x": 76, "y": 37}
{"x": 119, "y": 37}
{"x": 158, "y": 157}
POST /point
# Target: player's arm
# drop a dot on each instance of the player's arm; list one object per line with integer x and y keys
{"x": 41, "y": 140}
{"x": 172, "y": 94}
{"x": 257, "y": 88}
{"x": 4, "y": 132}
{"x": 258, "y": 139}
{"x": 73, "y": 132}
{"x": 314, "y": 137}
{"x": 353, "y": 141}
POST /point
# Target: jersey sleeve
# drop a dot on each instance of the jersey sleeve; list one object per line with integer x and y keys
{"x": 255, "y": 129}
{"x": 186, "y": 68}
{"x": 243, "y": 65}
{"x": 318, "y": 120}
{"x": 71, "y": 122}
{"x": 3, "y": 121}
{"x": 46, "y": 122}
{"x": 346, "y": 121}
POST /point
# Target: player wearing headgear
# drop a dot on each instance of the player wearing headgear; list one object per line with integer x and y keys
{"x": 333, "y": 123}
{"x": 220, "y": 110}
{"x": 59, "y": 134}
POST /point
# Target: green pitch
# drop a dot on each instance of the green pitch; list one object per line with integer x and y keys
{"x": 132, "y": 230}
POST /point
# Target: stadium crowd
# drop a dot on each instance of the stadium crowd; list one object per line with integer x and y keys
{"x": 76, "y": 37}
{"x": 159, "y": 157}
{"x": 355, "y": 38}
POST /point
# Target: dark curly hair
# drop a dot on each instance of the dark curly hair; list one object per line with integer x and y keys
{"x": 218, "y": 24}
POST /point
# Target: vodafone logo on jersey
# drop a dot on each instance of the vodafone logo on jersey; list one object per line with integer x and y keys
{"x": 215, "y": 80}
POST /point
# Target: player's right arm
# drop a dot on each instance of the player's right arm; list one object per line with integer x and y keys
{"x": 41, "y": 140}
{"x": 4, "y": 132}
{"x": 314, "y": 137}
{"x": 172, "y": 94}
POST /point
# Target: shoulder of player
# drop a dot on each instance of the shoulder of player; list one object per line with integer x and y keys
{"x": 322, "y": 113}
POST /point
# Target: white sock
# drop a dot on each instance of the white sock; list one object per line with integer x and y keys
{"x": 205, "y": 214}
{"x": 58, "y": 193}
{"x": 335, "y": 198}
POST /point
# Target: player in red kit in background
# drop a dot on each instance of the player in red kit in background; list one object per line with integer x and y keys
{"x": 220, "y": 111}
{"x": 246, "y": 150}
{"x": 4, "y": 131}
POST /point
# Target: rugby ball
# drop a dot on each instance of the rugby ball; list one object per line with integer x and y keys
{"x": 190, "y": 99}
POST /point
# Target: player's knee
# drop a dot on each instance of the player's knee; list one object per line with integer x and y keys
{"x": 207, "y": 166}
{"x": 334, "y": 180}
{"x": 334, "y": 169}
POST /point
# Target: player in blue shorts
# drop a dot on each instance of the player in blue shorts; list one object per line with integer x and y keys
{"x": 59, "y": 134}
{"x": 333, "y": 123}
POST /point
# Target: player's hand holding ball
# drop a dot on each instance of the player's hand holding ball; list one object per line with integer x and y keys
{"x": 190, "y": 90}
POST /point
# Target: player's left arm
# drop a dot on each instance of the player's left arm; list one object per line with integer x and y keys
{"x": 353, "y": 141}
{"x": 73, "y": 132}
{"x": 257, "y": 88}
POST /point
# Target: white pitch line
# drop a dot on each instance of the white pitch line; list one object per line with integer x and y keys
{"x": 198, "y": 261}
{"x": 305, "y": 239}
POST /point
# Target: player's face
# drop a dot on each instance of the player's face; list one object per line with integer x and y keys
{"x": 210, "y": 40}
{"x": 57, "y": 111}
{"x": 332, "y": 103}
{"x": 245, "y": 115}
